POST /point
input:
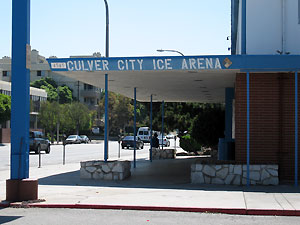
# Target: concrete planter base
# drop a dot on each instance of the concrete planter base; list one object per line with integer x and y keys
{"x": 101, "y": 170}
{"x": 232, "y": 174}
{"x": 163, "y": 154}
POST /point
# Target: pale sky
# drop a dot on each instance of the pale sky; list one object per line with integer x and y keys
{"x": 137, "y": 27}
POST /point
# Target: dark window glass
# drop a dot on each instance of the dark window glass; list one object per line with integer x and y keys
{"x": 39, "y": 73}
{"x": 5, "y": 73}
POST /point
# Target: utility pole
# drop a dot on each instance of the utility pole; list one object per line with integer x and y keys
{"x": 78, "y": 85}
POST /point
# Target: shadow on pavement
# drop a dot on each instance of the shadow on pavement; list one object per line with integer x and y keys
{"x": 162, "y": 174}
{"x": 7, "y": 219}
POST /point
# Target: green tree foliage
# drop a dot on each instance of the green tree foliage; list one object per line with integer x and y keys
{"x": 50, "y": 116}
{"x": 65, "y": 94}
{"x": 120, "y": 112}
{"x": 5, "y": 107}
{"x": 79, "y": 115}
{"x": 209, "y": 124}
{"x": 43, "y": 82}
{"x": 72, "y": 118}
{"x": 176, "y": 116}
{"x": 54, "y": 92}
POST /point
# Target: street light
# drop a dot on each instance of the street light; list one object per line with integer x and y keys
{"x": 169, "y": 50}
{"x": 107, "y": 30}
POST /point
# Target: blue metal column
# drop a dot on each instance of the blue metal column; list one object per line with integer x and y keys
{"x": 248, "y": 129}
{"x": 296, "y": 128}
{"x": 162, "y": 123}
{"x": 229, "y": 96}
{"x": 106, "y": 120}
{"x": 244, "y": 28}
{"x": 20, "y": 89}
{"x": 134, "y": 130}
{"x": 151, "y": 128}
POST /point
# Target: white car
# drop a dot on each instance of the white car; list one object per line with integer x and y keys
{"x": 170, "y": 136}
{"x": 163, "y": 141}
{"x": 73, "y": 139}
{"x": 84, "y": 139}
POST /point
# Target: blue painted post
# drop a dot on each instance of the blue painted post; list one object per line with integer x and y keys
{"x": 106, "y": 120}
{"x": 229, "y": 96}
{"x": 134, "y": 130}
{"x": 151, "y": 128}
{"x": 248, "y": 129}
{"x": 20, "y": 89}
{"x": 296, "y": 128}
{"x": 244, "y": 27}
{"x": 162, "y": 124}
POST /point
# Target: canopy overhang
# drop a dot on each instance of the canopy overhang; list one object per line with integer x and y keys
{"x": 172, "y": 79}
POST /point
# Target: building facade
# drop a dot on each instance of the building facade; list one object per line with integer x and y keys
{"x": 270, "y": 27}
{"x": 37, "y": 96}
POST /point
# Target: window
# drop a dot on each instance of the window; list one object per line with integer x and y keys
{"x": 39, "y": 73}
{"x": 88, "y": 87}
{"x": 5, "y": 74}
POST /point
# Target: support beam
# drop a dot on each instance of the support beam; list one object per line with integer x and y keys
{"x": 162, "y": 123}
{"x": 229, "y": 96}
{"x": 151, "y": 128}
{"x": 244, "y": 27}
{"x": 296, "y": 128}
{"x": 106, "y": 120}
{"x": 134, "y": 131}
{"x": 248, "y": 129}
{"x": 20, "y": 89}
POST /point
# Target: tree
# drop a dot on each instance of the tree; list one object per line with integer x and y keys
{"x": 209, "y": 125}
{"x": 80, "y": 116}
{"x": 63, "y": 93}
{"x": 49, "y": 117}
{"x": 120, "y": 112}
{"x": 5, "y": 108}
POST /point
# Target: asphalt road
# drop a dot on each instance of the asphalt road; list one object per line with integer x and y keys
{"x": 75, "y": 153}
{"x": 108, "y": 217}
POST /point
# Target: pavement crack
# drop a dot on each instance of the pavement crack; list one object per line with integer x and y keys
{"x": 288, "y": 201}
{"x": 245, "y": 200}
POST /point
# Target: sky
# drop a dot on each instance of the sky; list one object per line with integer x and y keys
{"x": 137, "y": 27}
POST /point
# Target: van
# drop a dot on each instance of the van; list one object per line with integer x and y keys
{"x": 144, "y": 134}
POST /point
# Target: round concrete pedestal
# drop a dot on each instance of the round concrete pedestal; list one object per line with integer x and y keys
{"x": 21, "y": 190}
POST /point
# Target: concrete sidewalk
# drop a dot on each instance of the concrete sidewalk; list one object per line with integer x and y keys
{"x": 161, "y": 185}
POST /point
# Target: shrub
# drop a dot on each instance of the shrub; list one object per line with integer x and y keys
{"x": 189, "y": 144}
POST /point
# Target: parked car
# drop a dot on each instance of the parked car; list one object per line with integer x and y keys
{"x": 73, "y": 139}
{"x": 170, "y": 136}
{"x": 163, "y": 141}
{"x": 84, "y": 139}
{"x": 38, "y": 143}
{"x": 144, "y": 133}
{"x": 128, "y": 142}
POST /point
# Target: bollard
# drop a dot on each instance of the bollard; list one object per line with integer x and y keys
{"x": 119, "y": 141}
{"x": 40, "y": 159}
{"x": 64, "y": 153}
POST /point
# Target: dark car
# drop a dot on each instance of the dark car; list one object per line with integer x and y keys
{"x": 128, "y": 142}
{"x": 38, "y": 143}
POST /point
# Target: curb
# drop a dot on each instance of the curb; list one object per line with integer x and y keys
{"x": 235, "y": 211}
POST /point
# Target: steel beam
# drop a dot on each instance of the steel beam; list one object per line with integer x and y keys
{"x": 20, "y": 105}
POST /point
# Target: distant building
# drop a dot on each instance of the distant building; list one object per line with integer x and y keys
{"x": 86, "y": 93}
{"x": 36, "y": 96}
